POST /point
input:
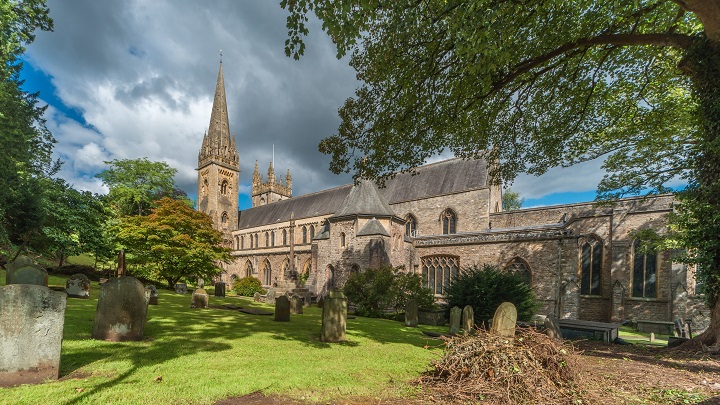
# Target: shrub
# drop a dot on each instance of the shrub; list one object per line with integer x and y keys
{"x": 377, "y": 290}
{"x": 248, "y": 286}
{"x": 485, "y": 288}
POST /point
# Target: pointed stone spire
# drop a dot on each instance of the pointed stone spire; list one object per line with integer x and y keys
{"x": 271, "y": 174}
{"x": 288, "y": 180}
{"x": 256, "y": 179}
{"x": 220, "y": 144}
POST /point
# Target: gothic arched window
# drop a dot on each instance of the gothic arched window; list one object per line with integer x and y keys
{"x": 224, "y": 218}
{"x": 519, "y": 267}
{"x": 438, "y": 272}
{"x": 284, "y": 237}
{"x": 304, "y": 233}
{"x": 267, "y": 239}
{"x": 644, "y": 282}
{"x": 272, "y": 238}
{"x": 224, "y": 187}
{"x": 342, "y": 239}
{"x": 257, "y": 243}
{"x": 591, "y": 253}
{"x": 312, "y": 232}
{"x": 267, "y": 273}
{"x": 248, "y": 269}
{"x": 449, "y": 221}
{"x": 242, "y": 242}
{"x": 410, "y": 225}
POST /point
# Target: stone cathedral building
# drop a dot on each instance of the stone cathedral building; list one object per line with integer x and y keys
{"x": 582, "y": 261}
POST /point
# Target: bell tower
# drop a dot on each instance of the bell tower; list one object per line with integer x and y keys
{"x": 219, "y": 167}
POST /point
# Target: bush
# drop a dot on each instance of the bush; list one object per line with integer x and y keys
{"x": 485, "y": 288}
{"x": 248, "y": 286}
{"x": 374, "y": 291}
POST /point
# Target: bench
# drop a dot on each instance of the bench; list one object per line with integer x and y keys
{"x": 574, "y": 329}
{"x": 660, "y": 327}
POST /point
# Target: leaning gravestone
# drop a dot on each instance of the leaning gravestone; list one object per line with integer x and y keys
{"x": 153, "y": 297}
{"x": 220, "y": 289}
{"x": 296, "y": 305}
{"x": 200, "y": 299}
{"x": 270, "y": 297}
{"x": 468, "y": 319}
{"x": 24, "y": 271}
{"x": 256, "y": 297}
{"x": 121, "y": 310}
{"x": 181, "y": 288}
{"x": 282, "y": 309}
{"x": 503, "y": 323}
{"x": 455, "y": 313}
{"x": 552, "y": 327}
{"x": 334, "y": 318}
{"x": 31, "y": 329}
{"x": 308, "y": 299}
{"x": 411, "y": 313}
{"x": 78, "y": 286}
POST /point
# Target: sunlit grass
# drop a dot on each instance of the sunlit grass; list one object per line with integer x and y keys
{"x": 200, "y": 356}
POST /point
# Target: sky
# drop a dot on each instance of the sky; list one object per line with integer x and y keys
{"x": 132, "y": 79}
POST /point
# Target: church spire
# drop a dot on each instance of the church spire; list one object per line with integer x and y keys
{"x": 221, "y": 147}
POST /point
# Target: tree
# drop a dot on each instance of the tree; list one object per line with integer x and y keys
{"x": 135, "y": 183}
{"x": 173, "y": 243}
{"x": 511, "y": 200}
{"x": 536, "y": 84}
{"x": 25, "y": 155}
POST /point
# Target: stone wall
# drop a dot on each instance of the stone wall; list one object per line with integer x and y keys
{"x": 471, "y": 208}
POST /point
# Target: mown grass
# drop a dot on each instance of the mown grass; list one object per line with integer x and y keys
{"x": 634, "y": 336}
{"x": 201, "y": 356}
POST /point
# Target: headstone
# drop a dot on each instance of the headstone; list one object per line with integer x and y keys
{"x": 256, "y": 297}
{"x": 308, "y": 299}
{"x": 552, "y": 327}
{"x": 121, "y": 263}
{"x": 411, "y": 313}
{"x": 468, "y": 319}
{"x": 181, "y": 288}
{"x": 201, "y": 283}
{"x": 24, "y": 271}
{"x": 121, "y": 310}
{"x": 220, "y": 289}
{"x": 78, "y": 286}
{"x": 652, "y": 337}
{"x": 200, "y": 299}
{"x": 504, "y": 320}
{"x": 270, "y": 297}
{"x": 153, "y": 297}
{"x": 282, "y": 309}
{"x": 31, "y": 331}
{"x": 334, "y": 318}
{"x": 102, "y": 281}
{"x": 455, "y": 313}
{"x": 296, "y": 305}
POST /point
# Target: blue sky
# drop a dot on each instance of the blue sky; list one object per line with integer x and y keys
{"x": 130, "y": 80}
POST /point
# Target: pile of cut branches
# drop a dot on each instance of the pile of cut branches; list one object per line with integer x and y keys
{"x": 530, "y": 368}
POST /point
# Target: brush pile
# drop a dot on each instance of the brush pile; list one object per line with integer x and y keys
{"x": 530, "y": 368}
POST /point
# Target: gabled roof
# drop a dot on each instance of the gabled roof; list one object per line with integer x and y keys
{"x": 364, "y": 199}
{"x": 373, "y": 227}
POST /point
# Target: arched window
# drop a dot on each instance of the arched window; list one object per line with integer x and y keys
{"x": 591, "y": 254}
{"x": 438, "y": 272}
{"x": 519, "y": 267}
{"x": 284, "y": 237}
{"x": 312, "y": 231}
{"x": 251, "y": 242}
{"x": 272, "y": 238}
{"x": 304, "y": 233}
{"x": 257, "y": 243}
{"x": 410, "y": 225}
{"x": 449, "y": 220}
{"x": 224, "y": 187}
{"x": 248, "y": 269}
{"x": 267, "y": 273}
{"x": 242, "y": 242}
{"x": 267, "y": 239}
{"x": 306, "y": 268}
{"x": 355, "y": 269}
{"x": 497, "y": 206}
{"x": 644, "y": 282}
{"x": 224, "y": 218}
{"x": 342, "y": 239}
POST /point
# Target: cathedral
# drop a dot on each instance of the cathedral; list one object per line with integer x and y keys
{"x": 583, "y": 261}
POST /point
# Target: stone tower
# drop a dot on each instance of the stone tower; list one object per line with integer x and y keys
{"x": 273, "y": 190}
{"x": 219, "y": 167}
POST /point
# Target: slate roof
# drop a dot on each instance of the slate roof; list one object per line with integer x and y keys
{"x": 442, "y": 178}
{"x": 364, "y": 199}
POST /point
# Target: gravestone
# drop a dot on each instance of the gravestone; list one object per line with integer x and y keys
{"x": 121, "y": 310}
{"x": 153, "y": 298}
{"x": 256, "y": 297}
{"x": 282, "y": 309}
{"x": 334, "y": 318}
{"x": 31, "y": 330}
{"x": 296, "y": 305}
{"x": 411, "y": 313}
{"x": 455, "y": 313}
{"x": 121, "y": 263}
{"x": 270, "y": 297}
{"x": 200, "y": 299}
{"x": 468, "y": 319}
{"x": 552, "y": 327}
{"x": 181, "y": 288}
{"x": 504, "y": 320}
{"x": 308, "y": 299}
{"x": 78, "y": 286}
{"x": 220, "y": 289}
{"x": 24, "y": 271}
{"x": 102, "y": 281}
{"x": 201, "y": 283}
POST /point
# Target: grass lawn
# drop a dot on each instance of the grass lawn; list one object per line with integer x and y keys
{"x": 633, "y": 336}
{"x": 203, "y": 355}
